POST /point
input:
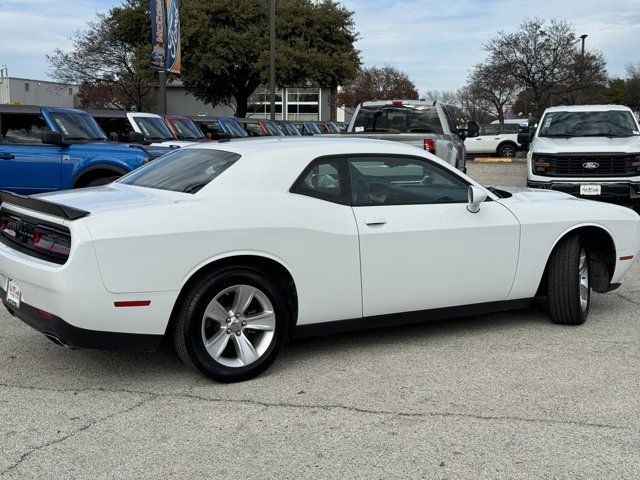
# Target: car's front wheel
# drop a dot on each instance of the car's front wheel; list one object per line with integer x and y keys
{"x": 568, "y": 287}
{"x": 507, "y": 150}
{"x": 232, "y": 324}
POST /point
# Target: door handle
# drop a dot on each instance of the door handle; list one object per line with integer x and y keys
{"x": 6, "y": 156}
{"x": 375, "y": 221}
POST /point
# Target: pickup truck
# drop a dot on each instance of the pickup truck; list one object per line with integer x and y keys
{"x": 590, "y": 151}
{"x": 47, "y": 149}
{"x": 426, "y": 125}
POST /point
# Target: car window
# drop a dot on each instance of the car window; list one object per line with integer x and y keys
{"x": 186, "y": 128}
{"x": 453, "y": 128}
{"x": 322, "y": 179}
{"x": 403, "y": 181}
{"x": 183, "y": 170}
{"x": 77, "y": 126}
{"x": 22, "y": 129}
{"x": 254, "y": 130}
{"x": 118, "y": 125}
{"x": 490, "y": 129}
{"x": 510, "y": 128}
{"x": 398, "y": 119}
{"x": 154, "y": 128}
{"x": 233, "y": 127}
{"x": 611, "y": 123}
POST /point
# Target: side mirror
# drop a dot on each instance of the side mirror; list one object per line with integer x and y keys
{"x": 113, "y": 136}
{"x": 50, "y": 137}
{"x": 477, "y": 195}
{"x": 137, "y": 137}
{"x": 472, "y": 129}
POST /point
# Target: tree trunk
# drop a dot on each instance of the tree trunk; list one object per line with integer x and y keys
{"x": 241, "y": 105}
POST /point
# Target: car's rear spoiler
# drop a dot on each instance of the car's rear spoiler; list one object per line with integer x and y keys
{"x": 43, "y": 206}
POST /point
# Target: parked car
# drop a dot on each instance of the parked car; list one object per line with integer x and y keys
{"x": 426, "y": 125}
{"x": 307, "y": 127}
{"x": 256, "y": 127}
{"x": 327, "y": 127}
{"x": 145, "y": 128}
{"x": 288, "y": 128}
{"x": 184, "y": 128}
{"x": 230, "y": 248}
{"x": 46, "y": 149}
{"x": 495, "y": 140}
{"x": 590, "y": 151}
{"x": 217, "y": 128}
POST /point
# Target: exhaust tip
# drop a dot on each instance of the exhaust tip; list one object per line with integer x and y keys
{"x": 56, "y": 340}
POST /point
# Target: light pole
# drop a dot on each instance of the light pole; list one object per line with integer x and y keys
{"x": 582, "y": 37}
{"x": 272, "y": 58}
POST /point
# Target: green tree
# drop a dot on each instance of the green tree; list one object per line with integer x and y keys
{"x": 616, "y": 91}
{"x": 225, "y": 47}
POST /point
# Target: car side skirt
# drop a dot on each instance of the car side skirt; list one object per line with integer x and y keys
{"x": 406, "y": 318}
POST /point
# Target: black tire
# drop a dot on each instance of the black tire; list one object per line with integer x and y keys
{"x": 563, "y": 283}
{"x": 98, "y": 182}
{"x": 507, "y": 150}
{"x": 188, "y": 327}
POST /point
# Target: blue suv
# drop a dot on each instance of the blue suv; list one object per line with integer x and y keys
{"x": 46, "y": 149}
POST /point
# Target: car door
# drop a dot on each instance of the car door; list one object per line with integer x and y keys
{"x": 458, "y": 152}
{"x": 27, "y": 166}
{"x": 420, "y": 248}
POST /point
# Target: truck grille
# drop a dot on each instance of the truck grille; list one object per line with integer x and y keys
{"x": 589, "y": 165}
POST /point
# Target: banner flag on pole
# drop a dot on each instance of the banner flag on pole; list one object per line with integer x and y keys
{"x": 173, "y": 54}
{"x": 158, "y": 35}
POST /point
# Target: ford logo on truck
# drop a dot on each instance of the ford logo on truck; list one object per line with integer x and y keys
{"x": 590, "y": 165}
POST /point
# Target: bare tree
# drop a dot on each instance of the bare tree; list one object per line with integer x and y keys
{"x": 492, "y": 91}
{"x": 106, "y": 58}
{"x": 377, "y": 83}
{"x": 545, "y": 58}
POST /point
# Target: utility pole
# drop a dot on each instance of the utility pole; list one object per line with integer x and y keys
{"x": 272, "y": 58}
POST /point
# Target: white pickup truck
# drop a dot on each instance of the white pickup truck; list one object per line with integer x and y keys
{"x": 426, "y": 125}
{"x": 590, "y": 151}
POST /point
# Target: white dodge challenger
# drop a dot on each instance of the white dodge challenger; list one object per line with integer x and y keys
{"x": 230, "y": 248}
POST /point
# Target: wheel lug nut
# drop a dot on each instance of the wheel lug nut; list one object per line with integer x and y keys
{"x": 237, "y": 315}
{"x": 228, "y": 331}
{"x": 244, "y": 324}
{"x": 238, "y": 333}
{"x": 228, "y": 320}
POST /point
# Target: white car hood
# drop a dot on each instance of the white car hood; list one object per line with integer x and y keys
{"x": 173, "y": 143}
{"x": 587, "y": 145}
{"x": 115, "y": 196}
{"x": 520, "y": 194}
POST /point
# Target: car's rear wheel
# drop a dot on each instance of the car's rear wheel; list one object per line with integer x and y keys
{"x": 507, "y": 150}
{"x": 569, "y": 291}
{"x": 232, "y": 324}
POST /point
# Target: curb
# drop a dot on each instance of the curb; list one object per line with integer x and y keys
{"x": 493, "y": 160}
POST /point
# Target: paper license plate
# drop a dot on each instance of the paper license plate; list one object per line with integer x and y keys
{"x": 590, "y": 189}
{"x": 13, "y": 294}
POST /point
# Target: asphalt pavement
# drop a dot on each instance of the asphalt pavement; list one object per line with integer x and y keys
{"x": 506, "y": 395}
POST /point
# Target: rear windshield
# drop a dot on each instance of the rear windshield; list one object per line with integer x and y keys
{"x": 611, "y": 123}
{"x": 183, "y": 170}
{"x": 398, "y": 119}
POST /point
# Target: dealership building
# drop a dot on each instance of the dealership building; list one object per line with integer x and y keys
{"x": 27, "y": 91}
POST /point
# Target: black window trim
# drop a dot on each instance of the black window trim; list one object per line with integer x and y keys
{"x": 345, "y": 180}
{"x": 343, "y": 163}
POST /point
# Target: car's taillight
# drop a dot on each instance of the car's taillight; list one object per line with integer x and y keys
{"x": 397, "y": 103}
{"x": 430, "y": 145}
{"x": 52, "y": 242}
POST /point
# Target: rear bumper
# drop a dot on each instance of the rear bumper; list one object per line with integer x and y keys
{"x": 621, "y": 192}
{"x": 71, "y": 336}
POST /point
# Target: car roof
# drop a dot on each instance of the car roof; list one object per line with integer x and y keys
{"x": 588, "y": 108}
{"x": 382, "y": 103}
{"x": 28, "y": 109}
{"x": 107, "y": 113}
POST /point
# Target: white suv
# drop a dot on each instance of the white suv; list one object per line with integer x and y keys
{"x": 590, "y": 151}
{"x": 494, "y": 140}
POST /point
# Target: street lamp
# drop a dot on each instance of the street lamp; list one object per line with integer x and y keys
{"x": 582, "y": 37}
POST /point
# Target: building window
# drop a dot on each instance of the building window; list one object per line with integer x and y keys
{"x": 70, "y": 91}
{"x": 303, "y": 103}
{"x": 259, "y": 105}
{"x": 26, "y": 87}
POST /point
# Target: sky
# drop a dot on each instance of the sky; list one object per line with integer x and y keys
{"x": 436, "y": 42}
